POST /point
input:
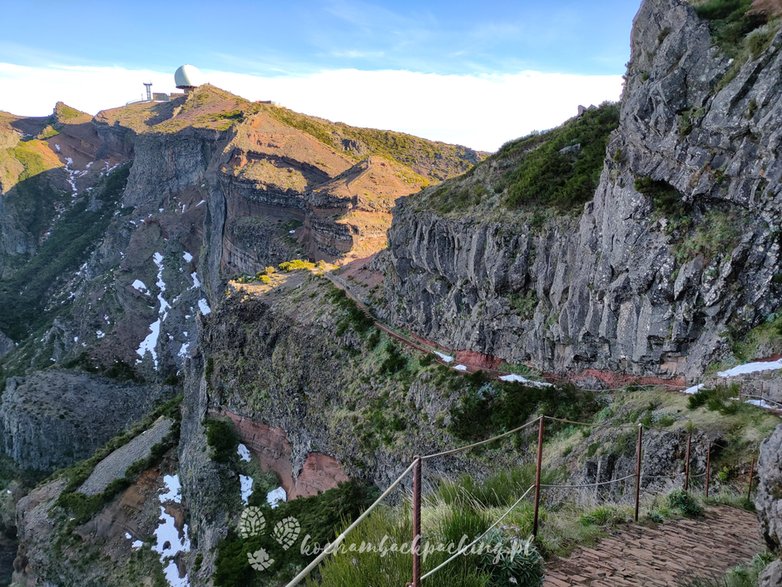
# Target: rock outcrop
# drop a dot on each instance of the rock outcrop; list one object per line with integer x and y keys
{"x": 54, "y": 418}
{"x": 622, "y": 287}
{"x": 768, "y": 499}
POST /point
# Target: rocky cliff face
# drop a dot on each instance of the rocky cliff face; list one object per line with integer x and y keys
{"x": 45, "y": 431}
{"x": 768, "y": 501}
{"x": 623, "y": 286}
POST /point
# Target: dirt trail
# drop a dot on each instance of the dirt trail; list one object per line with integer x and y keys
{"x": 667, "y": 554}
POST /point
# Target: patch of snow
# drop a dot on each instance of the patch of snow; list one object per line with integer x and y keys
{"x": 444, "y": 357}
{"x": 204, "y": 307}
{"x": 56, "y": 147}
{"x": 759, "y": 403}
{"x": 128, "y": 536}
{"x": 164, "y": 306}
{"x": 276, "y": 496}
{"x": 246, "y": 484}
{"x": 75, "y": 339}
{"x": 149, "y": 344}
{"x": 243, "y": 452}
{"x": 199, "y": 203}
{"x": 196, "y": 281}
{"x": 291, "y": 232}
{"x": 173, "y": 489}
{"x": 754, "y": 367}
{"x": 168, "y": 540}
{"x": 100, "y": 334}
{"x": 136, "y": 544}
{"x": 519, "y": 379}
{"x": 187, "y": 257}
{"x": 693, "y": 389}
{"x": 461, "y": 367}
{"x": 139, "y": 285}
{"x": 183, "y": 349}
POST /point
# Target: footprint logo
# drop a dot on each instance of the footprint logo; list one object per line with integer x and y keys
{"x": 286, "y": 532}
{"x": 252, "y": 523}
{"x": 260, "y": 560}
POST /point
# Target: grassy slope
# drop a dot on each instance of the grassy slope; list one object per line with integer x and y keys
{"x": 558, "y": 169}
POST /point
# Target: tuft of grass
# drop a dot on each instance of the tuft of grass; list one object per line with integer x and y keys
{"x": 685, "y": 504}
{"x": 746, "y": 575}
{"x": 730, "y": 21}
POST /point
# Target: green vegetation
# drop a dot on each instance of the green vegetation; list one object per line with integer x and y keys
{"x": 320, "y": 516}
{"x": 745, "y": 575}
{"x": 694, "y": 232}
{"x": 65, "y": 113}
{"x": 297, "y": 265}
{"x": 81, "y": 507}
{"x": 766, "y": 336}
{"x": 730, "y": 22}
{"x": 741, "y": 31}
{"x": 720, "y": 399}
{"x": 354, "y": 316}
{"x": 666, "y": 199}
{"x": 500, "y": 558}
{"x": 222, "y": 438}
{"x": 23, "y": 296}
{"x": 48, "y": 132}
{"x": 524, "y": 304}
{"x": 489, "y": 407}
{"x": 34, "y": 158}
{"x": 716, "y": 233}
{"x": 685, "y": 504}
{"x": 560, "y": 168}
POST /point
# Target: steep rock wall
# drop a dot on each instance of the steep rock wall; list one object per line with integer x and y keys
{"x": 613, "y": 289}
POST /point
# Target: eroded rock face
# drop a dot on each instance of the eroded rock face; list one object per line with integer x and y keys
{"x": 54, "y": 418}
{"x": 319, "y": 472}
{"x": 611, "y": 288}
{"x": 768, "y": 499}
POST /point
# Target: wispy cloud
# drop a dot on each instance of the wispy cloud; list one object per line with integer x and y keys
{"x": 480, "y": 111}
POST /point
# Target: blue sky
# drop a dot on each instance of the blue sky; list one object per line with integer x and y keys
{"x": 296, "y": 39}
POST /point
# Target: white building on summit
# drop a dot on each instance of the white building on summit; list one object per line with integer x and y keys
{"x": 187, "y": 78}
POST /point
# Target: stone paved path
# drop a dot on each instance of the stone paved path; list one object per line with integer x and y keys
{"x": 674, "y": 553}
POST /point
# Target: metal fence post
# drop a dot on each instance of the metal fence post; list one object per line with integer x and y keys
{"x": 687, "y": 462}
{"x": 537, "y": 478}
{"x": 416, "y": 549}
{"x": 749, "y": 485}
{"x": 708, "y": 468}
{"x": 638, "y": 455}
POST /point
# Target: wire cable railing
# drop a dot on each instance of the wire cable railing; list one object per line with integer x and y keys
{"x": 642, "y": 487}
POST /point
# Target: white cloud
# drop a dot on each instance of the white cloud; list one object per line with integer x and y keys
{"x": 480, "y": 111}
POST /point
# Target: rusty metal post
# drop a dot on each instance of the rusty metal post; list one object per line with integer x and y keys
{"x": 638, "y": 456}
{"x": 749, "y": 485}
{"x": 537, "y": 478}
{"x": 708, "y": 468}
{"x": 416, "y": 550}
{"x": 687, "y": 462}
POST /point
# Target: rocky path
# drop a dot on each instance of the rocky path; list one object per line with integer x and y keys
{"x": 675, "y": 553}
